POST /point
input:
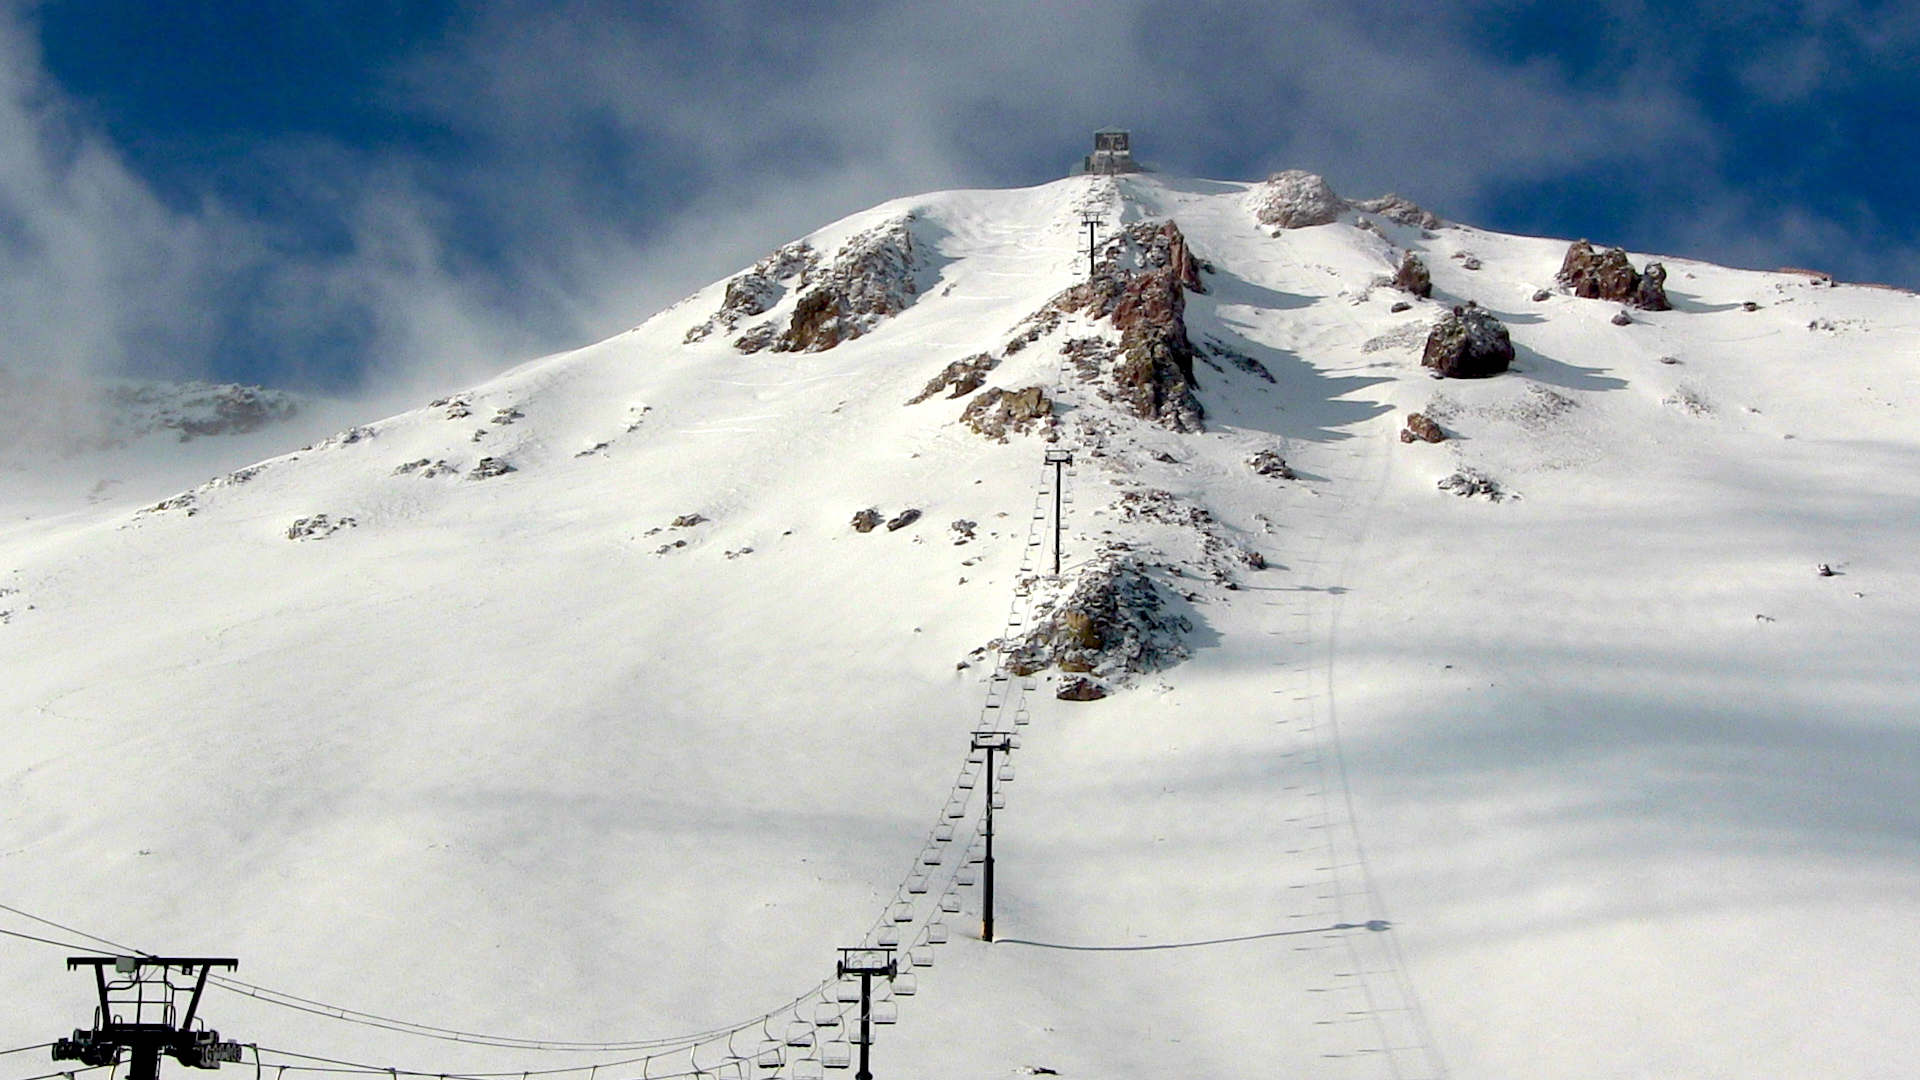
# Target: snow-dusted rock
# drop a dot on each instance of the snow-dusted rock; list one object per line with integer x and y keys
{"x": 1295, "y": 199}
{"x": 1469, "y": 343}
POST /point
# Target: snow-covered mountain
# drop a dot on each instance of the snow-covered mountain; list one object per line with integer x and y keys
{"x": 604, "y": 701}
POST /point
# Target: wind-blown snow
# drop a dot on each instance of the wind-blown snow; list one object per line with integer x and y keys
{"x": 516, "y": 753}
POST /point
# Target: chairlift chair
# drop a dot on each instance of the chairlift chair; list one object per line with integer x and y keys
{"x": 902, "y": 912}
{"x": 799, "y": 1033}
{"x": 920, "y": 957}
{"x": 930, "y": 857}
{"x": 731, "y": 1070}
{"x": 773, "y": 1054}
{"x": 966, "y": 876}
{"x": 950, "y": 903}
{"x": 999, "y": 800}
{"x": 966, "y": 781}
{"x": 888, "y": 938}
{"x": 808, "y": 1068}
{"x": 1006, "y": 773}
{"x": 917, "y": 883}
{"x": 942, "y": 832}
{"x": 826, "y": 1014}
{"x": 836, "y": 1054}
{"x": 905, "y": 984}
{"x": 884, "y": 1012}
{"x": 936, "y": 935}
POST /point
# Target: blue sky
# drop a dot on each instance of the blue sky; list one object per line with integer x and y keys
{"x": 352, "y": 195}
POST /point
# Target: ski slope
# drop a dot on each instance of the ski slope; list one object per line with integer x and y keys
{"x": 515, "y": 755}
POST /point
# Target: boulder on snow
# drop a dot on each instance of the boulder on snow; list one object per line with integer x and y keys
{"x": 1469, "y": 343}
{"x": 903, "y": 519}
{"x": 1414, "y": 277}
{"x": 865, "y": 521}
{"x": 1609, "y": 275}
{"x": 489, "y": 467}
{"x": 1400, "y": 211}
{"x": 964, "y": 376}
{"x": 1296, "y": 199}
{"x": 1080, "y": 688}
{"x": 1270, "y": 463}
{"x": 1421, "y": 427}
{"x": 996, "y": 411}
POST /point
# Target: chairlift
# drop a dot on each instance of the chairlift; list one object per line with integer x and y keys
{"x": 799, "y": 1033}
{"x": 950, "y": 903}
{"x": 966, "y": 876}
{"x": 956, "y": 808}
{"x": 884, "y": 1012}
{"x": 905, "y": 984}
{"x": 978, "y": 757}
{"x": 937, "y": 934}
{"x": 999, "y": 800}
{"x": 836, "y": 1054}
{"x": 917, "y": 883}
{"x": 1006, "y": 773}
{"x": 921, "y": 957}
{"x": 731, "y": 1070}
{"x": 826, "y": 1014}
{"x": 888, "y": 938}
{"x": 1013, "y": 741}
{"x": 1022, "y": 718}
{"x": 930, "y": 857}
{"x": 847, "y": 991}
{"x": 808, "y": 1068}
{"x": 902, "y": 912}
{"x": 942, "y": 833}
{"x": 773, "y": 1054}
{"x": 966, "y": 781}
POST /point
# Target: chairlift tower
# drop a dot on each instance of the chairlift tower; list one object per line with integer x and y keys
{"x": 140, "y": 1011}
{"x": 867, "y": 963}
{"x": 1092, "y": 219}
{"x": 1059, "y": 459}
{"x": 993, "y": 742}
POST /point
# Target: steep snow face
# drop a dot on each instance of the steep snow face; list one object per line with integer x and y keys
{"x": 577, "y": 706}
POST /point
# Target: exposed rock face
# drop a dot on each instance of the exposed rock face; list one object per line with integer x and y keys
{"x": 996, "y": 412}
{"x": 1140, "y": 283}
{"x": 872, "y": 276}
{"x": 1468, "y": 344}
{"x": 759, "y": 289}
{"x": 1422, "y": 428}
{"x": 1295, "y": 199}
{"x": 964, "y": 376}
{"x": 871, "y": 279}
{"x": 1610, "y": 276}
{"x": 1400, "y": 211}
{"x": 1112, "y": 624}
{"x": 1414, "y": 277}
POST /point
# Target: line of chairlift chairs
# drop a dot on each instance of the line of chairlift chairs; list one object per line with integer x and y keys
{"x": 811, "y": 1047}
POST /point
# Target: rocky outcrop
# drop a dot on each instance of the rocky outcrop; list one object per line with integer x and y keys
{"x": 489, "y": 467}
{"x": 903, "y": 519}
{"x": 865, "y": 521}
{"x": 756, "y": 291}
{"x": 1112, "y": 623}
{"x": 962, "y": 376}
{"x": 1610, "y": 276}
{"x": 1140, "y": 284}
{"x": 871, "y": 279}
{"x": 1414, "y": 277}
{"x": 1295, "y": 199}
{"x": 1469, "y": 343}
{"x": 1421, "y": 428}
{"x": 996, "y": 412}
{"x": 318, "y": 527}
{"x": 1400, "y": 211}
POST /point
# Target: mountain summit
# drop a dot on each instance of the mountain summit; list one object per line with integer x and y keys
{"x": 606, "y": 700}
